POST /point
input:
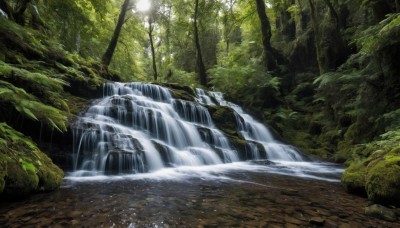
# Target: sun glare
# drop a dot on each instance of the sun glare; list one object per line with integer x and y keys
{"x": 143, "y": 5}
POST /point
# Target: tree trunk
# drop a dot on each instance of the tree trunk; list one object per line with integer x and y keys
{"x": 333, "y": 13}
{"x": 19, "y": 13}
{"x": 168, "y": 34}
{"x": 200, "y": 63}
{"x": 106, "y": 59}
{"x": 268, "y": 55}
{"x": 153, "y": 55}
{"x": 317, "y": 37}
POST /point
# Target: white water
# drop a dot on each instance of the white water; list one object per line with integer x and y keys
{"x": 221, "y": 172}
{"x": 254, "y": 131}
{"x": 140, "y": 129}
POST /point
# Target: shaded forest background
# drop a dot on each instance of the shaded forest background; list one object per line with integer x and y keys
{"x": 325, "y": 74}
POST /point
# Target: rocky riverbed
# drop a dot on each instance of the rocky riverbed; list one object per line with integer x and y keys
{"x": 195, "y": 197}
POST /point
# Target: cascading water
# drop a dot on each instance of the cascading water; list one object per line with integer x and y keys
{"x": 253, "y": 131}
{"x": 138, "y": 128}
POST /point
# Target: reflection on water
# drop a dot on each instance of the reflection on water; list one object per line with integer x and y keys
{"x": 230, "y": 195}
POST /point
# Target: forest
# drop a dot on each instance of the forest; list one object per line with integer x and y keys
{"x": 324, "y": 74}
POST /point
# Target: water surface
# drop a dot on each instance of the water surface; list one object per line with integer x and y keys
{"x": 256, "y": 194}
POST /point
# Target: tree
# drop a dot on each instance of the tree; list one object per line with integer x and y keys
{"x": 106, "y": 59}
{"x": 200, "y": 64}
{"x": 153, "y": 55}
{"x": 330, "y": 49}
{"x": 268, "y": 55}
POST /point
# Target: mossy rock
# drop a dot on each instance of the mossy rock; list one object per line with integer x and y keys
{"x": 179, "y": 91}
{"x": 20, "y": 181}
{"x": 181, "y": 94}
{"x": 383, "y": 180}
{"x": 354, "y": 177}
{"x": 224, "y": 118}
{"x": 24, "y": 169}
{"x": 377, "y": 175}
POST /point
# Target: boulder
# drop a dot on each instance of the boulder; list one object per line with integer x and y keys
{"x": 381, "y": 212}
{"x": 24, "y": 168}
{"x": 383, "y": 180}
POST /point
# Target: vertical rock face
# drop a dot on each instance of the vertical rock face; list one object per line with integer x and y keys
{"x": 139, "y": 127}
{"x": 24, "y": 168}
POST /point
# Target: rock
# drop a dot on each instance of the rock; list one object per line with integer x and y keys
{"x": 353, "y": 178}
{"x": 290, "y": 192}
{"x": 381, "y": 212}
{"x": 383, "y": 179}
{"x": 24, "y": 168}
{"x": 318, "y": 221}
{"x": 289, "y": 225}
{"x": 291, "y": 220}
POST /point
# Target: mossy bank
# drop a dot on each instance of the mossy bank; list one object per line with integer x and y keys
{"x": 42, "y": 88}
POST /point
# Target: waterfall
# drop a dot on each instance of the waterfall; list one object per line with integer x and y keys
{"x": 138, "y": 127}
{"x": 254, "y": 131}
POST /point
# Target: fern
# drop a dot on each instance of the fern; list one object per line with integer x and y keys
{"x": 8, "y": 134}
{"x": 37, "y": 79}
{"x": 27, "y": 105}
{"x": 377, "y": 37}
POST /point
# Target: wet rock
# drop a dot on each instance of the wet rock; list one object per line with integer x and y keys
{"x": 290, "y": 226}
{"x": 381, "y": 212}
{"x": 290, "y": 192}
{"x": 291, "y": 220}
{"x": 318, "y": 221}
{"x": 345, "y": 225}
{"x": 75, "y": 214}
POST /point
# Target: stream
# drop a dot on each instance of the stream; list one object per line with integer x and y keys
{"x": 244, "y": 194}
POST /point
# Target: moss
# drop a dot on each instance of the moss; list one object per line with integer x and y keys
{"x": 24, "y": 168}
{"x": 20, "y": 181}
{"x": 354, "y": 177}
{"x": 376, "y": 172}
{"x": 181, "y": 94}
{"x": 50, "y": 176}
{"x": 3, "y": 168}
{"x": 224, "y": 118}
{"x": 383, "y": 180}
{"x": 75, "y": 104}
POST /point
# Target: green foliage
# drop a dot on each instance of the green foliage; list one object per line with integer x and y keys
{"x": 27, "y": 105}
{"x": 376, "y": 38}
{"x": 182, "y": 77}
{"x": 244, "y": 75}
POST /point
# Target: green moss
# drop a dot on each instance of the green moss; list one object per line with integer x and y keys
{"x": 181, "y": 94}
{"x": 383, "y": 180}
{"x": 3, "y": 168}
{"x": 354, "y": 178}
{"x": 20, "y": 181}
{"x": 50, "y": 176}
{"x": 23, "y": 167}
{"x": 224, "y": 118}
